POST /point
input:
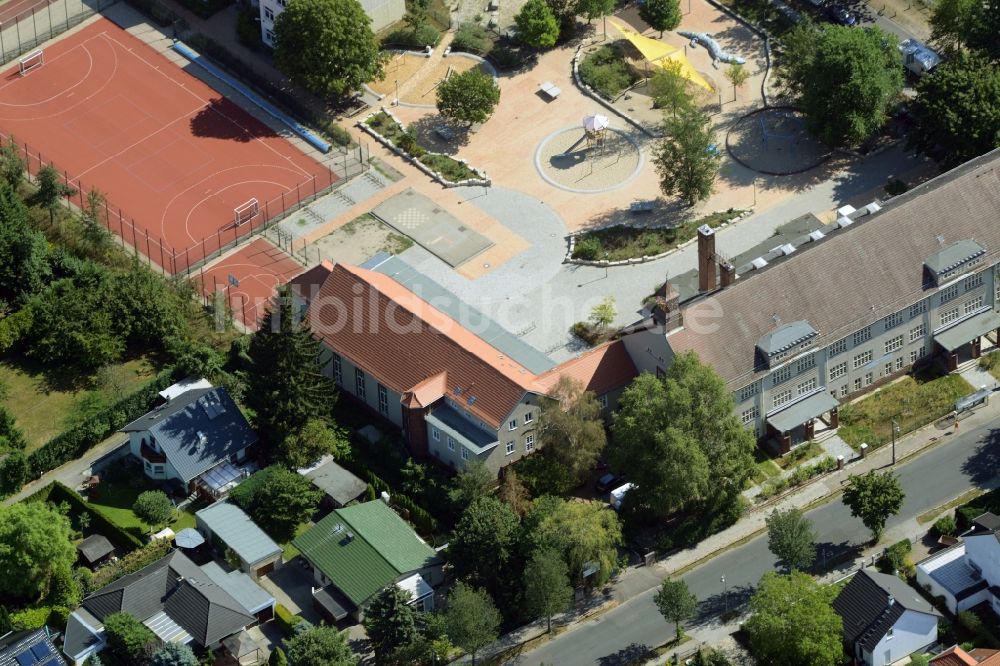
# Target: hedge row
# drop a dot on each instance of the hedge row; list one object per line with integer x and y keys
{"x": 286, "y": 621}
{"x": 99, "y": 522}
{"x": 423, "y": 521}
{"x": 971, "y": 510}
{"x": 73, "y": 443}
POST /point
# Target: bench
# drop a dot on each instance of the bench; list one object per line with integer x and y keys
{"x": 642, "y": 206}
{"x": 550, "y": 89}
{"x": 444, "y": 132}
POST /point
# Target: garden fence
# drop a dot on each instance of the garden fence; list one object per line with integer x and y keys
{"x": 43, "y": 21}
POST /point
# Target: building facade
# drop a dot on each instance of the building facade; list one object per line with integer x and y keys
{"x": 853, "y": 307}
{"x": 383, "y": 13}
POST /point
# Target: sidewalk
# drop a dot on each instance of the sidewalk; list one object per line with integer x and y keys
{"x": 637, "y": 580}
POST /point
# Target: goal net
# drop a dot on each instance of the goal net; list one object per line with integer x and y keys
{"x": 246, "y": 212}
{"x": 32, "y": 61}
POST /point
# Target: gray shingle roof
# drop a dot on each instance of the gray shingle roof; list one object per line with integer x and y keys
{"x": 236, "y": 530}
{"x": 864, "y": 607}
{"x": 853, "y": 277}
{"x": 177, "y": 424}
{"x": 176, "y": 585}
{"x": 95, "y": 547}
{"x": 337, "y": 482}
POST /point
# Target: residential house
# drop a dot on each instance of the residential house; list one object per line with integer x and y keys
{"x": 884, "y": 618}
{"x": 382, "y": 13}
{"x": 174, "y": 597}
{"x": 243, "y": 589}
{"x": 358, "y": 551}
{"x": 95, "y": 550}
{"x": 968, "y": 573}
{"x": 456, "y": 395}
{"x": 197, "y": 438}
{"x": 811, "y": 324}
{"x": 956, "y": 656}
{"x": 228, "y": 528}
{"x": 339, "y": 486}
{"x": 29, "y": 648}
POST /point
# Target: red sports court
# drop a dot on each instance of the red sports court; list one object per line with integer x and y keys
{"x": 248, "y": 279}
{"x": 184, "y": 170}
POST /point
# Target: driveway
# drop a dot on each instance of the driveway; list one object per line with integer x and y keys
{"x": 291, "y": 585}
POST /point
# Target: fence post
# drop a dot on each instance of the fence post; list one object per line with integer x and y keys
{"x": 149, "y": 259}
{"x": 314, "y": 185}
{"x": 283, "y": 209}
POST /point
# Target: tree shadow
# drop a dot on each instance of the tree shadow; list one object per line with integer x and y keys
{"x": 666, "y": 212}
{"x": 629, "y": 654}
{"x": 982, "y": 465}
{"x": 212, "y": 121}
{"x": 733, "y": 601}
{"x": 835, "y": 557}
{"x": 441, "y": 135}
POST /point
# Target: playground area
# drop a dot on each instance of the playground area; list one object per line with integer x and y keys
{"x": 418, "y": 77}
{"x": 774, "y": 141}
{"x": 579, "y": 160}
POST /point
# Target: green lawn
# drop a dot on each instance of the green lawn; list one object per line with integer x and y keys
{"x": 911, "y": 402}
{"x": 290, "y": 550}
{"x": 799, "y": 454}
{"x": 991, "y": 363}
{"x": 115, "y": 500}
{"x": 44, "y": 407}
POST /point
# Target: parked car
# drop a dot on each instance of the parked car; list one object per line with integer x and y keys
{"x": 608, "y": 481}
{"x": 839, "y": 14}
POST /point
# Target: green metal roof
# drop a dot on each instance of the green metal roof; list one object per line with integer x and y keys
{"x": 364, "y": 548}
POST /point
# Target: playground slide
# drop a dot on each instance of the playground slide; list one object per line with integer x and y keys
{"x": 713, "y": 47}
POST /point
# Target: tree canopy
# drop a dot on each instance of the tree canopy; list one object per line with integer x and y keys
{"x": 287, "y": 385}
{"x": 685, "y": 157}
{"x": 24, "y": 269}
{"x": 790, "y": 536}
{"x": 581, "y": 532}
{"x": 675, "y": 603}
{"x": 472, "y": 619}
{"x": 537, "y": 24}
{"x": 874, "y": 497}
{"x": 484, "y": 542}
{"x": 677, "y": 439}
{"x": 969, "y": 23}
{"x": 277, "y": 499}
{"x": 473, "y": 482}
{"x": 846, "y": 81}
{"x": 35, "y": 546}
{"x": 956, "y": 111}
{"x": 570, "y": 428}
{"x": 669, "y": 88}
{"x": 327, "y": 46}
{"x": 469, "y": 97}
{"x": 661, "y": 15}
{"x": 390, "y": 622}
{"x": 174, "y": 654}
{"x": 792, "y": 622}
{"x": 127, "y": 638}
{"x": 546, "y": 585}
{"x": 317, "y": 438}
{"x": 319, "y": 645}
{"x": 153, "y": 506}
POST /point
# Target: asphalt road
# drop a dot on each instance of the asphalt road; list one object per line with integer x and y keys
{"x": 968, "y": 459}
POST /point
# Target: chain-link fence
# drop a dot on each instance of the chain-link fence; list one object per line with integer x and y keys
{"x": 24, "y": 31}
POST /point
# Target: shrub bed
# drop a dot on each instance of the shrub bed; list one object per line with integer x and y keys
{"x": 606, "y": 71}
{"x": 965, "y": 514}
{"x": 418, "y": 38}
{"x": 448, "y": 167}
{"x": 621, "y": 242}
{"x": 801, "y": 474}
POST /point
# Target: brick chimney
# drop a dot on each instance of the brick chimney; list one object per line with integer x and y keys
{"x": 728, "y": 273}
{"x": 706, "y": 258}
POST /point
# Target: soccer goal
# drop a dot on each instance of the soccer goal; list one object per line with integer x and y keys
{"x": 32, "y": 61}
{"x": 246, "y": 212}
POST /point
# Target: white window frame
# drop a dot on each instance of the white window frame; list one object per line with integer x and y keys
{"x": 838, "y": 347}
{"x": 451, "y": 443}
{"x": 805, "y": 363}
{"x": 782, "y": 398}
{"x": 269, "y": 34}
{"x": 948, "y": 293}
{"x": 864, "y": 335}
{"x": 949, "y": 316}
{"x": 974, "y": 281}
{"x": 360, "y": 386}
{"x": 894, "y": 343}
{"x": 529, "y": 442}
{"x": 465, "y": 453}
{"x": 974, "y": 305}
{"x": 806, "y": 386}
{"x": 839, "y": 370}
{"x": 869, "y": 378}
{"x": 918, "y": 308}
{"x": 917, "y": 332}
{"x": 862, "y": 358}
{"x": 749, "y": 416}
{"x": 844, "y": 390}
{"x": 750, "y": 391}
{"x": 512, "y": 425}
{"x": 435, "y": 434}
{"x": 857, "y": 384}
{"x": 338, "y": 375}
{"x": 529, "y": 417}
{"x": 781, "y": 375}
{"x": 900, "y": 363}
{"x": 383, "y": 399}
{"x": 269, "y": 14}
{"x": 602, "y": 400}
{"x": 511, "y": 447}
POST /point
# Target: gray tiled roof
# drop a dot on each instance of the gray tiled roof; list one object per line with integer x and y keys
{"x": 251, "y": 596}
{"x": 34, "y": 647}
{"x": 80, "y": 632}
{"x": 864, "y": 606}
{"x": 95, "y": 547}
{"x": 853, "y": 277}
{"x": 337, "y": 482}
{"x": 228, "y": 522}
{"x": 176, "y": 426}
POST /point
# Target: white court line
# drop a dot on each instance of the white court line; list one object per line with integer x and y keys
{"x": 187, "y": 219}
{"x": 209, "y": 103}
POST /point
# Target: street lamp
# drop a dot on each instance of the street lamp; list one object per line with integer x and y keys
{"x": 725, "y": 592}
{"x": 895, "y": 430}
{"x": 397, "y": 91}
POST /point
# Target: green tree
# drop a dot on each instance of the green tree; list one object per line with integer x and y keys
{"x": 153, "y": 507}
{"x": 13, "y": 472}
{"x": 546, "y": 585}
{"x": 288, "y": 386}
{"x": 314, "y": 440}
{"x": 957, "y": 111}
{"x": 472, "y": 619}
{"x": 594, "y": 9}
{"x": 975, "y": 25}
{"x": 391, "y": 623}
{"x": 25, "y": 268}
{"x": 792, "y": 622}
{"x": 604, "y": 313}
{"x": 873, "y": 497}
{"x": 469, "y": 97}
{"x": 148, "y": 311}
{"x": 513, "y": 493}
{"x": 676, "y": 438}
{"x": 675, "y": 603}
{"x": 537, "y": 25}
{"x": 73, "y": 324}
{"x": 12, "y": 165}
{"x": 327, "y": 46}
{"x": 791, "y": 538}
{"x": 277, "y": 658}
{"x": 127, "y": 638}
{"x": 174, "y": 654}
{"x": 484, "y": 543}
{"x": 669, "y": 88}
{"x": 661, "y": 15}
{"x": 95, "y": 221}
{"x": 51, "y": 189}
{"x": 278, "y": 500}
{"x": 35, "y": 545}
{"x": 583, "y": 533}
{"x": 570, "y": 429}
{"x": 736, "y": 74}
{"x": 846, "y": 81}
{"x": 686, "y": 158}
{"x": 320, "y": 645}
{"x": 711, "y": 657}
{"x": 473, "y": 482}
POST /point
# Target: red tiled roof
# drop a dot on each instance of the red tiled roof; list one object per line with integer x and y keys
{"x": 986, "y": 657}
{"x": 600, "y": 370}
{"x": 954, "y": 656}
{"x": 402, "y": 341}
{"x": 307, "y": 284}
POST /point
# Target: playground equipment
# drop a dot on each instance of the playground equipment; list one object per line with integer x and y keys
{"x": 706, "y": 40}
{"x": 661, "y": 54}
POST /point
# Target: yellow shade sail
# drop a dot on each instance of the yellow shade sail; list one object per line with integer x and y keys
{"x": 660, "y": 54}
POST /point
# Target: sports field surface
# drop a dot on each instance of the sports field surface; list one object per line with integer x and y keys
{"x": 19, "y": 9}
{"x": 256, "y": 269}
{"x": 167, "y": 151}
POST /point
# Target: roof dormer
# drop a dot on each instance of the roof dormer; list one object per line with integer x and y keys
{"x": 952, "y": 261}
{"x": 785, "y": 341}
